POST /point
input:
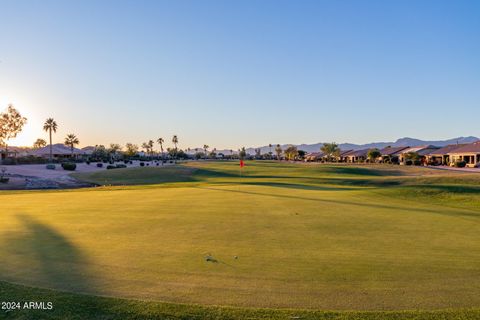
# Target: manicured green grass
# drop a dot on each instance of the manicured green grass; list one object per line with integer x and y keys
{"x": 284, "y": 236}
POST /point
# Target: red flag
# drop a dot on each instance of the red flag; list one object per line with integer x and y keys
{"x": 242, "y": 164}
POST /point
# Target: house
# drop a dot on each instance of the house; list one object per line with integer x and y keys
{"x": 88, "y": 150}
{"x": 314, "y": 156}
{"x": 469, "y": 153}
{"x": 391, "y": 154}
{"x": 422, "y": 151}
{"x": 441, "y": 156}
{"x": 59, "y": 151}
{"x": 341, "y": 155}
{"x": 355, "y": 156}
{"x": 13, "y": 152}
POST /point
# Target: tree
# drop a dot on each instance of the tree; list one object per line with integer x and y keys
{"x": 100, "y": 153}
{"x": 213, "y": 154}
{"x": 205, "y": 150}
{"x": 412, "y": 158}
{"x": 291, "y": 153}
{"x": 148, "y": 146}
{"x": 131, "y": 149}
{"x": 175, "y": 143}
{"x": 39, "y": 143}
{"x": 242, "y": 153}
{"x": 301, "y": 154}
{"x": 71, "y": 140}
{"x": 278, "y": 151}
{"x": 114, "y": 149}
{"x": 160, "y": 141}
{"x": 11, "y": 124}
{"x": 331, "y": 150}
{"x": 151, "y": 143}
{"x": 258, "y": 153}
{"x": 373, "y": 154}
{"x": 50, "y": 126}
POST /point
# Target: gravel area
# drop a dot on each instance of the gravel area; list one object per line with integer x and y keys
{"x": 37, "y": 176}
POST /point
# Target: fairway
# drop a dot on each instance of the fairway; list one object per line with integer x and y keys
{"x": 281, "y": 236}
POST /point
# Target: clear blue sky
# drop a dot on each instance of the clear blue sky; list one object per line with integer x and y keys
{"x": 234, "y": 73}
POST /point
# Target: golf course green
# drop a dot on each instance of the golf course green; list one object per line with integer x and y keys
{"x": 277, "y": 240}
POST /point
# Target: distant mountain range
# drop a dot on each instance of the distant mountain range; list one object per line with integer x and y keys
{"x": 403, "y": 142}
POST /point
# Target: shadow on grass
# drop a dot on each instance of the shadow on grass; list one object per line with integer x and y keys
{"x": 347, "y": 170}
{"x": 319, "y": 182}
{"x": 47, "y": 257}
{"x": 42, "y": 256}
{"x": 464, "y": 213}
{"x": 448, "y": 189}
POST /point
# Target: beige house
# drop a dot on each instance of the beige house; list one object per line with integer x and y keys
{"x": 355, "y": 156}
{"x": 59, "y": 151}
{"x": 391, "y": 154}
{"x": 442, "y": 156}
{"x": 422, "y": 151}
{"x": 314, "y": 156}
{"x": 469, "y": 153}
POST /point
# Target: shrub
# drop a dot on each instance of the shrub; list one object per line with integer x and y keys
{"x": 50, "y": 166}
{"x": 121, "y": 166}
{"x": 4, "y": 180}
{"x": 460, "y": 164}
{"x": 408, "y": 162}
{"x": 31, "y": 160}
{"x": 126, "y": 161}
{"x": 131, "y": 162}
{"x": 142, "y": 164}
{"x": 87, "y": 162}
{"x": 111, "y": 166}
{"x": 9, "y": 161}
{"x": 417, "y": 162}
{"x": 100, "y": 165}
{"x": 70, "y": 166}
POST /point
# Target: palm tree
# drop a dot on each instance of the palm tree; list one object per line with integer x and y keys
{"x": 149, "y": 147}
{"x": 175, "y": 142}
{"x": 151, "y": 143}
{"x": 50, "y": 125}
{"x": 278, "y": 150}
{"x": 160, "y": 142}
{"x": 71, "y": 140}
{"x": 205, "y": 149}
